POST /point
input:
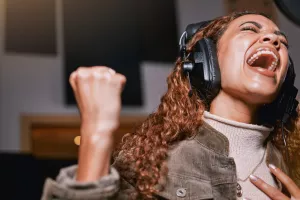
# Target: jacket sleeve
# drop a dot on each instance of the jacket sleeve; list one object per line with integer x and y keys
{"x": 65, "y": 187}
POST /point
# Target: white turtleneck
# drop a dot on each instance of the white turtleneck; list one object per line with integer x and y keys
{"x": 246, "y": 147}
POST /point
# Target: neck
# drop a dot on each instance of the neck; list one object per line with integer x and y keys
{"x": 229, "y": 107}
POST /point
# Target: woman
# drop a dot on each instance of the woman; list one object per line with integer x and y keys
{"x": 190, "y": 148}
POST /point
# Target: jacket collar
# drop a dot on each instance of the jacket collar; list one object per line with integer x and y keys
{"x": 217, "y": 142}
{"x": 212, "y": 139}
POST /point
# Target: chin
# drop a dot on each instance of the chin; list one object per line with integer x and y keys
{"x": 261, "y": 95}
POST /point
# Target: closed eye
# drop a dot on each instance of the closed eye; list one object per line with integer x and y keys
{"x": 249, "y": 28}
{"x": 253, "y": 29}
{"x": 285, "y": 44}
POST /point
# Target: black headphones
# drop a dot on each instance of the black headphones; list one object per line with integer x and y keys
{"x": 202, "y": 69}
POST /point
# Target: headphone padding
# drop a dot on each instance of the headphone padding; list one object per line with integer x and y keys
{"x": 205, "y": 76}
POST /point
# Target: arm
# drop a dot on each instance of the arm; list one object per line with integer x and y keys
{"x": 94, "y": 159}
{"x": 98, "y": 95}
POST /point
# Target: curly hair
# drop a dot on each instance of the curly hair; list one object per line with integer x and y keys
{"x": 178, "y": 117}
{"x": 290, "y": 152}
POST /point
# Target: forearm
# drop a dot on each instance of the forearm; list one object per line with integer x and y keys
{"x": 97, "y": 91}
{"x": 94, "y": 158}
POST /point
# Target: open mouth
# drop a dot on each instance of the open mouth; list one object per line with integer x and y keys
{"x": 264, "y": 58}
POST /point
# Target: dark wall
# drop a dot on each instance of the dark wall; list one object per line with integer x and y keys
{"x": 119, "y": 34}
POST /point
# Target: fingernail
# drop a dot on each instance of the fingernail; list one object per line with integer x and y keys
{"x": 272, "y": 166}
{"x": 253, "y": 178}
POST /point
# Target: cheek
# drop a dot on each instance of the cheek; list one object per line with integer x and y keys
{"x": 232, "y": 53}
{"x": 231, "y": 61}
{"x": 231, "y": 57}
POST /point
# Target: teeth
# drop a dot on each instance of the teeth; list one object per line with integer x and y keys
{"x": 271, "y": 68}
{"x": 255, "y": 56}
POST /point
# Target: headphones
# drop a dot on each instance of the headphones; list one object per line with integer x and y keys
{"x": 203, "y": 72}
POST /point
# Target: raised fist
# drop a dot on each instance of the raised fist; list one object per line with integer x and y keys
{"x": 98, "y": 94}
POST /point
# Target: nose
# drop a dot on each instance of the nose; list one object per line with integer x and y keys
{"x": 271, "y": 38}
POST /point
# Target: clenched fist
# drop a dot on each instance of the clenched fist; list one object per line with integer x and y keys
{"x": 98, "y": 94}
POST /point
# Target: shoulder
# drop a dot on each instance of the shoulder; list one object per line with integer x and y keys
{"x": 206, "y": 143}
{"x": 189, "y": 146}
{"x": 189, "y": 158}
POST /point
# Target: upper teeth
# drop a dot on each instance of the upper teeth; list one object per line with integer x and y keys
{"x": 260, "y": 52}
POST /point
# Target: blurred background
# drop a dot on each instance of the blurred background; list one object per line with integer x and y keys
{"x": 43, "y": 41}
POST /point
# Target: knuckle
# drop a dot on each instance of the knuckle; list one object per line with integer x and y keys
{"x": 100, "y": 67}
{"x": 81, "y": 68}
{"x": 110, "y": 70}
{"x": 275, "y": 194}
{"x": 83, "y": 75}
{"x": 72, "y": 76}
{"x": 94, "y": 72}
{"x": 265, "y": 186}
{"x": 288, "y": 181}
{"x": 121, "y": 78}
{"x": 97, "y": 75}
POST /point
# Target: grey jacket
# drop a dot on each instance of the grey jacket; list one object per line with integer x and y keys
{"x": 199, "y": 168}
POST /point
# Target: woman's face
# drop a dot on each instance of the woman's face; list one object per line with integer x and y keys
{"x": 253, "y": 59}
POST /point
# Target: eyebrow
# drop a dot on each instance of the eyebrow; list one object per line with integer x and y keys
{"x": 258, "y": 25}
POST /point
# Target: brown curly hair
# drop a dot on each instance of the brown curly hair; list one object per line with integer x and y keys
{"x": 144, "y": 152}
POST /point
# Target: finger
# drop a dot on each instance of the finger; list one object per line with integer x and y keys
{"x": 104, "y": 68}
{"x": 272, "y": 192}
{"x": 119, "y": 81}
{"x": 72, "y": 81}
{"x": 100, "y": 70}
{"x": 286, "y": 180}
{"x": 100, "y": 73}
{"x": 100, "y": 84}
{"x": 82, "y": 84}
{"x": 113, "y": 72}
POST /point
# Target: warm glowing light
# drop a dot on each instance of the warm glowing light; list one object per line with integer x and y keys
{"x": 77, "y": 140}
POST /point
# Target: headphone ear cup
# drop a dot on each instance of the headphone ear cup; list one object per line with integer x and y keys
{"x": 202, "y": 67}
{"x": 206, "y": 76}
